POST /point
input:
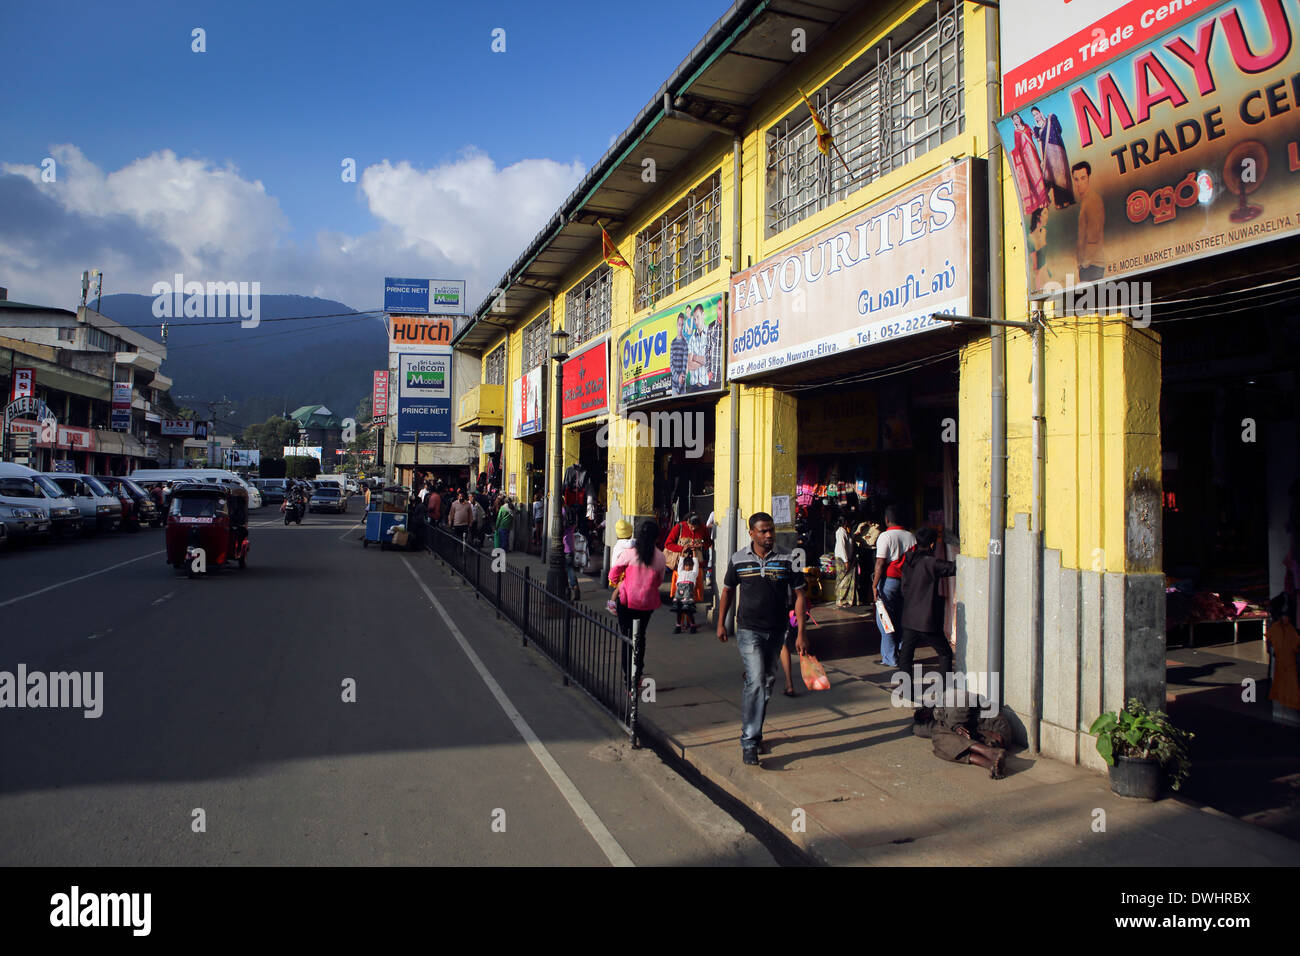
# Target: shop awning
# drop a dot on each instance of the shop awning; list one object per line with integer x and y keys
{"x": 482, "y": 408}
{"x": 118, "y": 443}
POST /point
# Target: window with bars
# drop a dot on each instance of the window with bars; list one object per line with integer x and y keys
{"x": 536, "y": 334}
{"x": 894, "y": 104}
{"x": 681, "y": 245}
{"x": 587, "y": 307}
{"x": 494, "y": 366}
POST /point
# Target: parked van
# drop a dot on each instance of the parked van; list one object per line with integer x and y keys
{"x": 198, "y": 474}
{"x": 35, "y": 490}
{"x": 101, "y": 509}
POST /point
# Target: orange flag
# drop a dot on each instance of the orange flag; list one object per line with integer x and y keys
{"x": 824, "y": 139}
{"x": 609, "y": 252}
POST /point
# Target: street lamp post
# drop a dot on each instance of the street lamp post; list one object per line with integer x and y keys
{"x": 557, "y": 579}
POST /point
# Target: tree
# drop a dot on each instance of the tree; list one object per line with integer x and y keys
{"x": 301, "y": 466}
{"x": 271, "y": 436}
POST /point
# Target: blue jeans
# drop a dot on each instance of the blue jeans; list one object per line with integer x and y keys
{"x": 761, "y": 652}
{"x": 570, "y": 568}
{"x": 891, "y": 594}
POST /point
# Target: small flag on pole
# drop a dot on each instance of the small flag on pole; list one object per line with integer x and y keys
{"x": 609, "y": 252}
{"x": 825, "y": 142}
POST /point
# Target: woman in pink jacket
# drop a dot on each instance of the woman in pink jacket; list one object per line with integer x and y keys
{"x": 638, "y": 573}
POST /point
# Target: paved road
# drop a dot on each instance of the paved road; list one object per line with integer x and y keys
{"x": 225, "y": 695}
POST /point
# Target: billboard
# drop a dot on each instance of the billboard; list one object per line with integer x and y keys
{"x": 243, "y": 458}
{"x": 418, "y": 333}
{"x": 303, "y": 451}
{"x": 1184, "y": 148}
{"x": 177, "y": 427}
{"x": 424, "y": 397}
{"x": 24, "y": 383}
{"x": 586, "y": 383}
{"x": 874, "y": 276}
{"x": 526, "y": 403}
{"x": 1046, "y": 44}
{"x": 425, "y": 296}
{"x": 674, "y": 352}
{"x": 379, "y": 395}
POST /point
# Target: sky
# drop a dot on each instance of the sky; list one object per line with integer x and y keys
{"x": 227, "y": 165}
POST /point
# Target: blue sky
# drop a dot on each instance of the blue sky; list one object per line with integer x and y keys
{"x": 163, "y": 147}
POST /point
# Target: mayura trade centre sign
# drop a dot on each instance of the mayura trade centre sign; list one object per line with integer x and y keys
{"x": 878, "y": 275}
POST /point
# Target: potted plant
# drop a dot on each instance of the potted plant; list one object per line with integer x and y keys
{"x": 1139, "y": 745}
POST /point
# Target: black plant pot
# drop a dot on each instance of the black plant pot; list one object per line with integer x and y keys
{"x": 1136, "y": 777}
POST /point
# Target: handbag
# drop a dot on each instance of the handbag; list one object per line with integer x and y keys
{"x": 814, "y": 675}
{"x": 671, "y": 558}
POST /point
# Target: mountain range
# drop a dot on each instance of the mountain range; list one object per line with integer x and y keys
{"x": 277, "y": 366}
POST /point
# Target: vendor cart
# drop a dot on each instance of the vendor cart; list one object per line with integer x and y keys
{"x": 387, "y": 510}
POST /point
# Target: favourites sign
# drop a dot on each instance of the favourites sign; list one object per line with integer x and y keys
{"x": 1184, "y": 148}
{"x": 875, "y": 276}
{"x": 674, "y": 352}
{"x": 586, "y": 383}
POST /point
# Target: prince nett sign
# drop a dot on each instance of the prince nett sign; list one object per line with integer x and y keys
{"x": 586, "y": 383}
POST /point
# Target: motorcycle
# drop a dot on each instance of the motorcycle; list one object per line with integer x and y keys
{"x": 293, "y": 509}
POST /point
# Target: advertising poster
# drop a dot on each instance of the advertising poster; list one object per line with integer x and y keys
{"x": 875, "y": 276}
{"x": 176, "y": 427}
{"x": 676, "y": 351}
{"x": 379, "y": 395}
{"x": 586, "y": 383}
{"x": 424, "y": 397}
{"x": 419, "y": 333}
{"x": 526, "y": 403}
{"x": 1184, "y": 148}
{"x": 425, "y": 296}
{"x": 24, "y": 383}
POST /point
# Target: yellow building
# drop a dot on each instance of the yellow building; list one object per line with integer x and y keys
{"x": 773, "y": 346}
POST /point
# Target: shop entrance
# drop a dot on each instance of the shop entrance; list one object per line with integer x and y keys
{"x": 684, "y": 470}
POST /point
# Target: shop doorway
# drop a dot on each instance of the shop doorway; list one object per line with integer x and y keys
{"x": 685, "y": 476}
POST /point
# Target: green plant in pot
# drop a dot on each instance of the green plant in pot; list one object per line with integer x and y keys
{"x": 1138, "y": 745}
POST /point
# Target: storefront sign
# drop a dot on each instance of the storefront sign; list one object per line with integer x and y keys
{"x": 121, "y": 394}
{"x": 24, "y": 383}
{"x": 177, "y": 427}
{"x": 64, "y": 466}
{"x": 425, "y": 296}
{"x": 873, "y": 277}
{"x": 675, "y": 352}
{"x": 526, "y": 403}
{"x": 586, "y": 383}
{"x": 44, "y": 424}
{"x": 1185, "y": 148}
{"x": 419, "y": 333}
{"x": 489, "y": 442}
{"x": 1049, "y": 43}
{"x": 120, "y": 420}
{"x": 379, "y": 395}
{"x": 424, "y": 397}
{"x": 76, "y": 439}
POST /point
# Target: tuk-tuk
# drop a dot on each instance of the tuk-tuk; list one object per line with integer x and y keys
{"x": 207, "y": 526}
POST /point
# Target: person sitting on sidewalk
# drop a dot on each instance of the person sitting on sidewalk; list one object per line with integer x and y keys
{"x": 961, "y": 735}
{"x": 762, "y": 579}
{"x": 685, "y": 588}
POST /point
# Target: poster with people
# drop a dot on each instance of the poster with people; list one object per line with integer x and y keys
{"x": 1182, "y": 148}
{"x": 676, "y": 351}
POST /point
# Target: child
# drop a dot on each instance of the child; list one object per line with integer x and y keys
{"x": 685, "y": 578}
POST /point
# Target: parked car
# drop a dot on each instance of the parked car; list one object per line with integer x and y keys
{"x": 210, "y": 475}
{"x": 273, "y": 489}
{"x": 21, "y": 517}
{"x": 138, "y": 508}
{"x": 329, "y": 498}
{"x": 19, "y": 481}
{"x": 101, "y": 509}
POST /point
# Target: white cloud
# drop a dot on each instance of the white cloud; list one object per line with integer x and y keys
{"x": 161, "y": 214}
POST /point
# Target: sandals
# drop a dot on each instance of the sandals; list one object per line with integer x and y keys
{"x": 790, "y": 692}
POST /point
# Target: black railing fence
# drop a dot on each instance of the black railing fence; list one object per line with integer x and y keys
{"x": 587, "y": 647}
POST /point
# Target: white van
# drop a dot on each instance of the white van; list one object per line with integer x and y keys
{"x": 198, "y": 474}
{"x": 33, "y": 489}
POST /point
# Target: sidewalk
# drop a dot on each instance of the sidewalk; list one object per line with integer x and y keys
{"x": 872, "y": 793}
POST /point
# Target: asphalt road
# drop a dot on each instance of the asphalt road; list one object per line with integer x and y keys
{"x": 225, "y": 738}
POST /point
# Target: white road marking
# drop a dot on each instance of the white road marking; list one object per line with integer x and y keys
{"x": 111, "y": 567}
{"x": 163, "y": 598}
{"x": 586, "y": 815}
{"x": 351, "y": 530}
{"x": 97, "y": 634}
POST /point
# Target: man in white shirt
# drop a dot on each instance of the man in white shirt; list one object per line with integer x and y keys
{"x": 887, "y": 584}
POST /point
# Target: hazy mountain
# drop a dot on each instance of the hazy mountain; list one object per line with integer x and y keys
{"x": 275, "y": 366}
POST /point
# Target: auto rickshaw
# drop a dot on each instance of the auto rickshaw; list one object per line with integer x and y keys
{"x": 207, "y": 526}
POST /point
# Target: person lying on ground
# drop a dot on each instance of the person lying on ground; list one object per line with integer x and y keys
{"x": 961, "y": 735}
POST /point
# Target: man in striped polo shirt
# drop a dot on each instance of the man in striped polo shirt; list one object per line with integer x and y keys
{"x": 763, "y": 578}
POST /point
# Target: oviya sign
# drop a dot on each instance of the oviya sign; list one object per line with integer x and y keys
{"x": 877, "y": 275}
{"x": 586, "y": 383}
{"x": 1184, "y": 148}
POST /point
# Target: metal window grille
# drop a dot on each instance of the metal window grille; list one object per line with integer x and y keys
{"x": 536, "y": 334}
{"x": 888, "y": 108}
{"x": 494, "y": 366}
{"x": 681, "y": 245}
{"x": 587, "y": 307}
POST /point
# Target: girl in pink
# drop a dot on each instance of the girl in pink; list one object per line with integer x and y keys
{"x": 638, "y": 573}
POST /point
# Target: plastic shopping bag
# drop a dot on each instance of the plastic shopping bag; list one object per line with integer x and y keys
{"x": 883, "y": 617}
{"x": 814, "y": 675}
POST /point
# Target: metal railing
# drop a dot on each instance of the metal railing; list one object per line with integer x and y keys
{"x": 587, "y": 647}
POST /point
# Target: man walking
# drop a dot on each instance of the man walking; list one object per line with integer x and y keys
{"x": 887, "y": 583}
{"x": 764, "y": 578}
{"x": 462, "y": 515}
{"x": 923, "y": 606}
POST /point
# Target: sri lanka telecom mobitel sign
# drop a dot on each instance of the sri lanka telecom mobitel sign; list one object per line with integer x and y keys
{"x": 424, "y": 296}
{"x": 877, "y": 275}
{"x": 1184, "y": 147}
